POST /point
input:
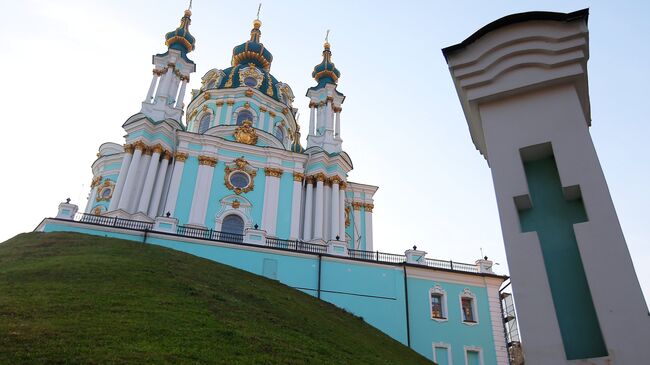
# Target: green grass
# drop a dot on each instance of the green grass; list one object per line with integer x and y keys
{"x": 69, "y": 298}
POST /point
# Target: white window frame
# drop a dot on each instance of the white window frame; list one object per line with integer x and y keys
{"x": 197, "y": 120}
{"x": 468, "y": 295}
{"x": 255, "y": 117}
{"x": 437, "y": 289}
{"x": 478, "y": 349}
{"x": 436, "y": 345}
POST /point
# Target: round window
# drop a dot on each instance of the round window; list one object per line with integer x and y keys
{"x": 239, "y": 179}
{"x": 250, "y": 81}
{"x": 106, "y": 193}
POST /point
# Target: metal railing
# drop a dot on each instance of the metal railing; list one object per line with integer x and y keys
{"x": 277, "y": 243}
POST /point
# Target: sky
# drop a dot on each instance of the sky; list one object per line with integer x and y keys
{"x": 74, "y": 71}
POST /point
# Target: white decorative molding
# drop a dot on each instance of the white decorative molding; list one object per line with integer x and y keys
{"x": 466, "y": 293}
{"x": 445, "y": 346}
{"x": 437, "y": 289}
{"x": 478, "y": 349}
{"x": 67, "y": 210}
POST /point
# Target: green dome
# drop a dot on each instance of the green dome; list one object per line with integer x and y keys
{"x": 180, "y": 38}
{"x": 325, "y": 72}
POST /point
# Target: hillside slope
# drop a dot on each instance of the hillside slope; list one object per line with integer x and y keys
{"x": 72, "y": 298}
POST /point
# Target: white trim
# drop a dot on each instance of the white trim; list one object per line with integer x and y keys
{"x": 478, "y": 349}
{"x": 244, "y": 211}
{"x": 437, "y": 289}
{"x": 466, "y": 293}
{"x": 442, "y": 345}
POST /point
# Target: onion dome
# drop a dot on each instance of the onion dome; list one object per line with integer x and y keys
{"x": 181, "y": 39}
{"x": 252, "y": 51}
{"x": 325, "y": 72}
{"x": 295, "y": 145}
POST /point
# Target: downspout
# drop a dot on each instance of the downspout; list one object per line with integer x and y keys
{"x": 406, "y": 302}
{"x": 144, "y": 239}
{"x": 320, "y": 259}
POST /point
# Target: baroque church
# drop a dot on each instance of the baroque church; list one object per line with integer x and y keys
{"x": 237, "y": 163}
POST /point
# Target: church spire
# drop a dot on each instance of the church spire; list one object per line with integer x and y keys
{"x": 180, "y": 38}
{"x": 325, "y": 72}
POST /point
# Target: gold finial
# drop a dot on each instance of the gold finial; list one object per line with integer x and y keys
{"x": 188, "y": 12}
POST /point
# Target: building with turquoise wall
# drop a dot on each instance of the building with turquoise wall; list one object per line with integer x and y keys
{"x": 226, "y": 178}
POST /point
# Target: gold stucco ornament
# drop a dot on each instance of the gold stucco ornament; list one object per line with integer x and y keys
{"x": 245, "y": 133}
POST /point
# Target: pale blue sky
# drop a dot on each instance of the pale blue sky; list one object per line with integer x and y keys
{"x": 75, "y": 70}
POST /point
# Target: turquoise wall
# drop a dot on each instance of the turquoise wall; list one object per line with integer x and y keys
{"x": 374, "y": 292}
{"x": 283, "y": 222}
{"x": 186, "y": 191}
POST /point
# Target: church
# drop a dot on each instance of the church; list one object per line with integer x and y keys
{"x": 237, "y": 162}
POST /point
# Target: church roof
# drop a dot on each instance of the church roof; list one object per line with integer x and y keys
{"x": 325, "y": 72}
{"x": 180, "y": 38}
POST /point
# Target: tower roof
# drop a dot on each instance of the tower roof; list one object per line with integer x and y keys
{"x": 180, "y": 38}
{"x": 252, "y": 51}
{"x": 325, "y": 72}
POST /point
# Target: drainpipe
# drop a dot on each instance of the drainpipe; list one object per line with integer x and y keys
{"x": 406, "y": 302}
{"x": 320, "y": 259}
{"x": 144, "y": 239}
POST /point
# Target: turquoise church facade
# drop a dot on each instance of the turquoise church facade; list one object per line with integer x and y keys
{"x": 226, "y": 178}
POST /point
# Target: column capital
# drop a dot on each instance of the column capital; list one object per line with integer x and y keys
{"x": 139, "y": 145}
{"x": 343, "y": 185}
{"x": 128, "y": 148}
{"x": 369, "y": 207}
{"x": 320, "y": 177}
{"x": 218, "y": 102}
{"x": 312, "y": 104}
{"x": 230, "y": 102}
{"x": 147, "y": 151}
{"x": 262, "y": 109}
{"x": 357, "y": 205}
{"x": 310, "y": 179}
{"x": 272, "y": 113}
{"x": 335, "y": 180}
{"x": 166, "y": 155}
{"x": 337, "y": 109}
{"x": 207, "y": 160}
{"x": 270, "y": 171}
{"x": 180, "y": 156}
{"x": 298, "y": 176}
{"x": 158, "y": 148}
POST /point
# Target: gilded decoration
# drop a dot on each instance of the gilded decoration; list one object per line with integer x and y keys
{"x": 230, "y": 102}
{"x": 97, "y": 210}
{"x": 105, "y": 191}
{"x": 357, "y": 205}
{"x": 270, "y": 171}
{"x": 297, "y": 176}
{"x": 309, "y": 179}
{"x": 95, "y": 181}
{"x": 248, "y": 93}
{"x": 245, "y": 133}
{"x": 180, "y": 156}
{"x": 369, "y": 207}
{"x": 205, "y": 108}
{"x": 235, "y": 204}
{"x": 207, "y": 161}
{"x": 167, "y": 155}
{"x": 219, "y": 102}
{"x": 251, "y": 71}
{"x": 343, "y": 185}
{"x": 206, "y": 96}
{"x": 320, "y": 177}
{"x": 335, "y": 179}
{"x": 128, "y": 148}
{"x": 262, "y": 109}
{"x": 139, "y": 145}
{"x": 272, "y": 114}
{"x": 157, "y": 149}
{"x": 347, "y": 216}
{"x": 247, "y": 105}
{"x": 239, "y": 165}
{"x": 147, "y": 151}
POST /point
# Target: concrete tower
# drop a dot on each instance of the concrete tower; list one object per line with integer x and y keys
{"x": 522, "y": 82}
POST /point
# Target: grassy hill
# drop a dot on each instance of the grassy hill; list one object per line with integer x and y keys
{"x": 71, "y": 298}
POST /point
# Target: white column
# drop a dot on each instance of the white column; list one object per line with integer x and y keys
{"x": 181, "y": 95}
{"x": 202, "y": 190}
{"x": 272, "y": 194}
{"x": 309, "y": 209}
{"x": 152, "y": 87}
{"x": 228, "y": 120}
{"x": 337, "y": 131}
{"x": 368, "y": 217}
{"x": 356, "y": 206}
{"x": 329, "y": 118}
{"x": 327, "y": 209}
{"x": 312, "y": 112}
{"x": 217, "y": 114}
{"x": 175, "y": 184}
{"x": 295, "y": 206}
{"x": 335, "y": 213}
{"x": 342, "y": 187}
{"x": 158, "y": 188}
{"x": 119, "y": 186}
{"x": 149, "y": 180}
{"x": 164, "y": 83}
{"x": 139, "y": 185}
{"x": 131, "y": 177}
{"x": 173, "y": 89}
{"x": 318, "y": 209}
{"x": 320, "y": 123}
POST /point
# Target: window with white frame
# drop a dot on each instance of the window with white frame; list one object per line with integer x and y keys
{"x": 468, "y": 310}
{"x": 244, "y": 115}
{"x": 473, "y": 355}
{"x": 438, "y": 303}
{"x": 442, "y": 353}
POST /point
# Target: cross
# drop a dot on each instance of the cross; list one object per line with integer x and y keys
{"x": 190, "y": 7}
{"x": 553, "y": 217}
{"x": 327, "y": 35}
{"x": 258, "y": 11}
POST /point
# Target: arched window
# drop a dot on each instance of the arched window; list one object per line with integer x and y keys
{"x": 279, "y": 133}
{"x": 233, "y": 224}
{"x": 244, "y": 115}
{"x": 250, "y": 81}
{"x": 204, "y": 124}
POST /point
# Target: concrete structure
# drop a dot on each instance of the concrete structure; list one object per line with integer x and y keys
{"x": 522, "y": 83}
